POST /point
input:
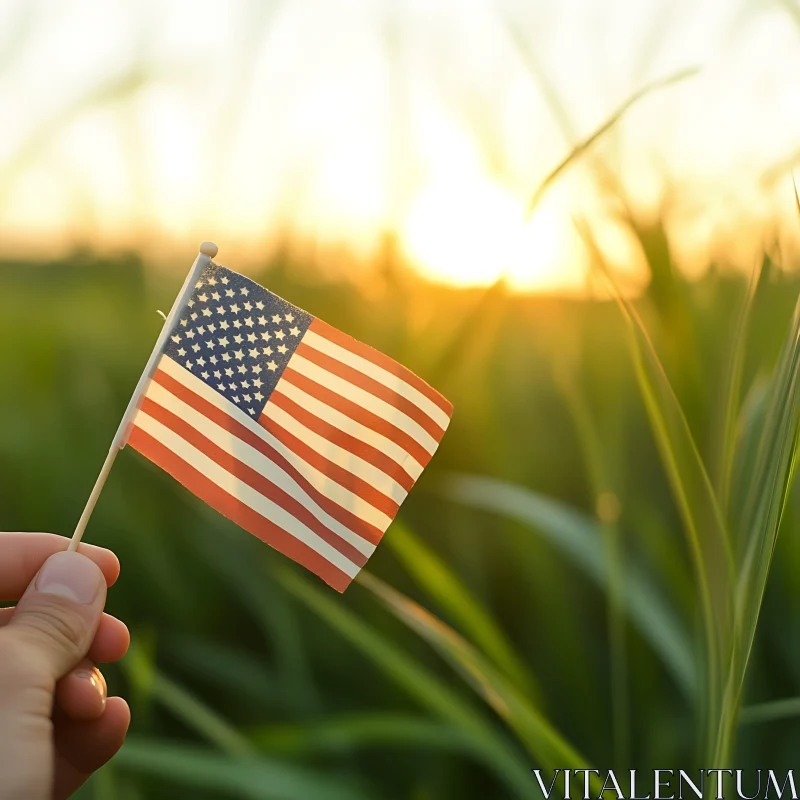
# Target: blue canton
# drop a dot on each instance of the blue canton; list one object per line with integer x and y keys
{"x": 237, "y": 337}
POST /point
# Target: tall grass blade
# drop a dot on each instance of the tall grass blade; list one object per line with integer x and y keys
{"x": 578, "y": 537}
{"x": 250, "y": 778}
{"x": 728, "y": 428}
{"x": 707, "y": 535}
{"x": 541, "y": 739}
{"x": 579, "y": 149}
{"x": 418, "y": 682}
{"x": 769, "y": 712}
{"x": 445, "y": 587}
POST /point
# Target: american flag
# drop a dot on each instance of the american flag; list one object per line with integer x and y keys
{"x": 305, "y": 437}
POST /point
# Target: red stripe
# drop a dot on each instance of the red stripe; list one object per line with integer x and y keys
{"x": 379, "y": 390}
{"x": 344, "y": 440}
{"x": 253, "y": 478}
{"x": 233, "y": 509}
{"x": 364, "y": 529}
{"x": 376, "y": 357}
{"x": 357, "y": 413}
{"x": 358, "y": 486}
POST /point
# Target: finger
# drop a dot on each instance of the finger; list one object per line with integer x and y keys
{"x": 52, "y": 627}
{"x": 22, "y": 554}
{"x": 82, "y": 693}
{"x": 110, "y": 643}
{"x": 84, "y": 747}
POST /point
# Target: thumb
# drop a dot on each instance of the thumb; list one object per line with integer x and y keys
{"x": 55, "y": 621}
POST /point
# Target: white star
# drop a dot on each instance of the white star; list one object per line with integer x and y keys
{"x": 258, "y": 396}
{"x": 213, "y": 359}
{"x": 229, "y": 372}
{"x": 202, "y": 297}
{"x": 251, "y": 337}
{"x": 188, "y": 365}
{"x": 209, "y": 344}
{"x": 226, "y": 356}
{"x": 262, "y": 320}
{"x": 259, "y": 306}
{"x": 280, "y": 334}
{"x": 246, "y": 398}
{"x": 211, "y": 327}
{"x": 245, "y": 385}
{"x": 190, "y": 334}
{"x": 294, "y": 331}
{"x": 204, "y": 376}
{"x": 242, "y": 369}
{"x": 249, "y": 322}
{"x": 237, "y": 324}
{"x": 190, "y": 303}
{"x": 181, "y": 352}
{"x": 229, "y": 292}
{"x": 236, "y": 399}
{"x": 252, "y": 411}
{"x": 282, "y": 348}
{"x": 212, "y": 282}
{"x": 272, "y": 366}
{"x": 289, "y": 317}
{"x": 201, "y": 330}
{"x": 195, "y": 347}
{"x": 224, "y": 279}
{"x": 239, "y": 354}
{"x": 258, "y": 382}
{"x": 201, "y": 361}
{"x": 256, "y": 369}
{"x": 234, "y": 309}
{"x": 193, "y": 315}
{"x": 183, "y": 322}
{"x": 198, "y": 284}
{"x": 244, "y": 291}
{"x": 224, "y": 325}
{"x": 232, "y": 386}
{"x": 266, "y": 335}
{"x": 253, "y": 353}
{"x": 223, "y": 342}
{"x": 238, "y": 339}
{"x": 248, "y": 307}
{"x": 175, "y": 338}
{"x": 217, "y": 374}
{"x": 220, "y": 310}
{"x": 267, "y": 351}
{"x": 221, "y": 387}
{"x": 276, "y": 319}
{"x": 206, "y": 312}
{"x": 215, "y": 295}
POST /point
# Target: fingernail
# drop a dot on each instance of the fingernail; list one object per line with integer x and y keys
{"x": 71, "y": 576}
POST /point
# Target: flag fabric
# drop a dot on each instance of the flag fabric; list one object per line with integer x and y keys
{"x": 303, "y": 436}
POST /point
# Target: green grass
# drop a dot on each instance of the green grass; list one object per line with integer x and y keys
{"x": 589, "y": 573}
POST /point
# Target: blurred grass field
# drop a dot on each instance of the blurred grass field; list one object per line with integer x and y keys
{"x": 550, "y": 532}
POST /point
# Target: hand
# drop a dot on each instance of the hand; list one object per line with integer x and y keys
{"x": 56, "y": 724}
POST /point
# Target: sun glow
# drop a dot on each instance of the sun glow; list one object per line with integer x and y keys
{"x": 339, "y": 123}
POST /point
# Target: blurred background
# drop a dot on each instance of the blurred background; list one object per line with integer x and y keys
{"x": 442, "y": 181}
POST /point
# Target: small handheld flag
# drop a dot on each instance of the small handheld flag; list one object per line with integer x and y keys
{"x": 303, "y": 436}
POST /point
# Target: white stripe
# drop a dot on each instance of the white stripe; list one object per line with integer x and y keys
{"x": 338, "y": 455}
{"x": 381, "y": 375}
{"x": 321, "y": 482}
{"x": 350, "y": 426}
{"x": 242, "y": 492}
{"x": 366, "y": 400}
{"x": 247, "y": 454}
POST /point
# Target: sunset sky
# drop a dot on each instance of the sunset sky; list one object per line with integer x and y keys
{"x": 340, "y": 121}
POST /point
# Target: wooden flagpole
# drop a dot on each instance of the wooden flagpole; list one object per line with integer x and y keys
{"x": 207, "y": 251}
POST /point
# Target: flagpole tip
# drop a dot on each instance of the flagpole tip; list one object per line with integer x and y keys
{"x": 209, "y": 249}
